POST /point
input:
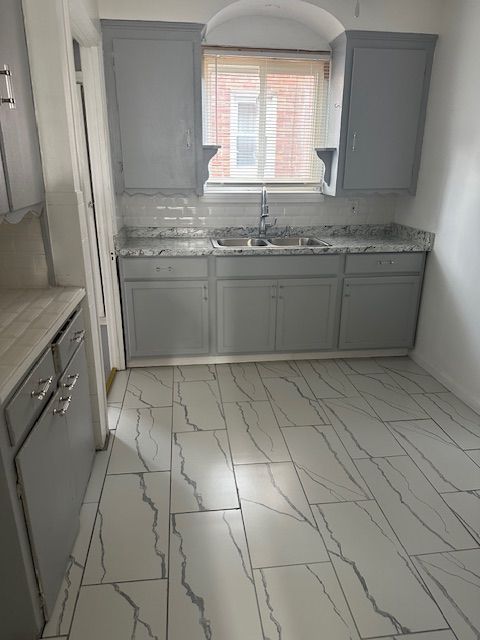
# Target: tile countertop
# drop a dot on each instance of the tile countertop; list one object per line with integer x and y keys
{"x": 29, "y": 319}
{"x": 393, "y": 238}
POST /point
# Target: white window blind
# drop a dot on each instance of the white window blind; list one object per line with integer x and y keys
{"x": 268, "y": 113}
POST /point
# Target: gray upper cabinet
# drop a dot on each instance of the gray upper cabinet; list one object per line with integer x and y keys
{"x": 153, "y": 76}
{"x": 246, "y": 311}
{"x": 379, "y": 312}
{"x": 306, "y": 314}
{"x": 379, "y": 94}
{"x": 22, "y": 180}
{"x": 166, "y": 318}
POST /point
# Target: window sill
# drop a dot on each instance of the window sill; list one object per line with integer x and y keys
{"x": 248, "y": 196}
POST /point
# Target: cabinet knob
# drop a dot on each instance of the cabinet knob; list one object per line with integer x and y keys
{"x": 78, "y": 336}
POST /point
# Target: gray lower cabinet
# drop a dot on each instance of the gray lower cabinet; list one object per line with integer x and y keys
{"x": 167, "y": 318}
{"x": 246, "y": 311}
{"x": 306, "y": 314}
{"x": 379, "y": 312}
{"x": 44, "y": 466}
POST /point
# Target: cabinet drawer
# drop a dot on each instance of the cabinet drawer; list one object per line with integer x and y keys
{"x": 164, "y": 268}
{"x": 278, "y": 266}
{"x": 385, "y": 263}
{"x": 30, "y": 399}
{"x": 72, "y": 334}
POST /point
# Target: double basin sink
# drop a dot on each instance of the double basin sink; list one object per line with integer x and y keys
{"x": 252, "y": 243}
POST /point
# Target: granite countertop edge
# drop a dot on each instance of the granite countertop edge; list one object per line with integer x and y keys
{"x": 16, "y": 371}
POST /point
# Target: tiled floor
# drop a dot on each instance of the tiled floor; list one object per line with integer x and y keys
{"x": 329, "y": 500}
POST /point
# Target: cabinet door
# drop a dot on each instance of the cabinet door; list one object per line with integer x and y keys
{"x": 167, "y": 318}
{"x": 306, "y": 314}
{"x": 18, "y": 126}
{"x": 379, "y": 312}
{"x": 246, "y": 315}
{"x": 156, "y": 100}
{"x": 384, "y": 119}
{"x": 79, "y": 420}
{"x": 46, "y": 476}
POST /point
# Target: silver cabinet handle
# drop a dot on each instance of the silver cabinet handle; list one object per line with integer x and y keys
{"x": 189, "y": 139}
{"x": 78, "y": 336}
{"x": 385, "y": 261}
{"x": 41, "y": 393}
{"x": 354, "y": 142}
{"x": 9, "y": 98}
{"x": 66, "y": 404}
{"x": 164, "y": 268}
{"x": 205, "y": 292}
{"x": 74, "y": 379}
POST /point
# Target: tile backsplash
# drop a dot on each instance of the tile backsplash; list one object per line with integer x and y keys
{"x": 212, "y": 211}
{"x": 23, "y": 263}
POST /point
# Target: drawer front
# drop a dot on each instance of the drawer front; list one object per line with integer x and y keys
{"x": 164, "y": 268}
{"x": 30, "y": 399}
{"x": 385, "y": 263}
{"x": 71, "y": 336}
{"x": 279, "y": 266}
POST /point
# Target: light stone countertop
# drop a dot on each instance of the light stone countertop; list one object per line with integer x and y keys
{"x": 29, "y": 319}
{"x": 361, "y": 239}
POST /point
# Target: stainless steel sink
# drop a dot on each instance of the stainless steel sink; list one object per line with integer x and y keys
{"x": 239, "y": 242}
{"x": 295, "y": 241}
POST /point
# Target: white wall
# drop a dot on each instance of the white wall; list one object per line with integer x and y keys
{"x": 448, "y": 203}
{"x": 389, "y": 15}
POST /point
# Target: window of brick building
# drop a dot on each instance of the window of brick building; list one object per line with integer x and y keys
{"x": 268, "y": 113}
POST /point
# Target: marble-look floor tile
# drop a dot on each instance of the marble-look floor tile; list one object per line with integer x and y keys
{"x": 99, "y": 470}
{"x": 61, "y": 618}
{"x": 325, "y": 470}
{"x": 363, "y": 434}
{"x": 197, "y": 406}
{"x": 385, "y": 396}
{"x": 211, "y": 591}
{"x": 446, "y": 466}
{"x": 416, "y": 512}
{"x": 475, "y": 456}
{"x": 124, "y": 611}
{"x": 454, "y": 580}
{"x": 362, "y": 366}
{"x": 278, "y": 369}
{"x": 466, "y": 504}
{"x": 130, "y": 538}
{"x": 409, "y": 376}
{"x": 278, "y": 521}
{"x": 293, "y": 402}
{"x": 113, "y": 414}
{"x": 240, "y": 382}
{"x": 149, "y": 387}
{"x": 382, "y": 588}
{"x": 326, "y": 379}
{"x": 254, "y": 433}
{"x": 194, "y": 372}
{"x": 116, "y": 392}
{"x": 428, "y": 635}
{"x": 296, "y": 602}
{"x": 202, "y": 472}
{"x": 456, "y": 419}
{"x": 142, "y": 442}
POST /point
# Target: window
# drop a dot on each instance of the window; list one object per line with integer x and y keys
{"x": 268, "y": 114}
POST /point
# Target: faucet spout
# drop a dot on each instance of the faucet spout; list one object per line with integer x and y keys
{"x": 262, "y": 225}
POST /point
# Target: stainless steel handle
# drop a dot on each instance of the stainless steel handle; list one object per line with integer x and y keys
{"x": 74, "y": 379}
{"x": 354, "y": 141}
{"x": 78, "y": 336}
{"x": 274, "y": 292}
{"x": 385, "y": 261}
{"x": 163, "y": 268}
{"x": 205, "y": 292}
{"x": 41, "y": 393}
{"x": 189, "y": 139}
{"x": 9, "y": 98}
{"x": 66, "y": 404}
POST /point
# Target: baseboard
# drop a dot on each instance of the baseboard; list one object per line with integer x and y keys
{"x": 443, "y": 378}
{"x": 264, "y": 357}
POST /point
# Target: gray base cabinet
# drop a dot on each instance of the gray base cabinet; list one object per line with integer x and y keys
{"x": 379, "y": 312}
{"x": 306, "y": 314}
{"x": 167, "y": 318}
{"x": 246, "y": 311}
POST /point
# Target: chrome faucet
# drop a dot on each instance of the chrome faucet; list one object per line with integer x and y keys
{"x": 262, "y": 223}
